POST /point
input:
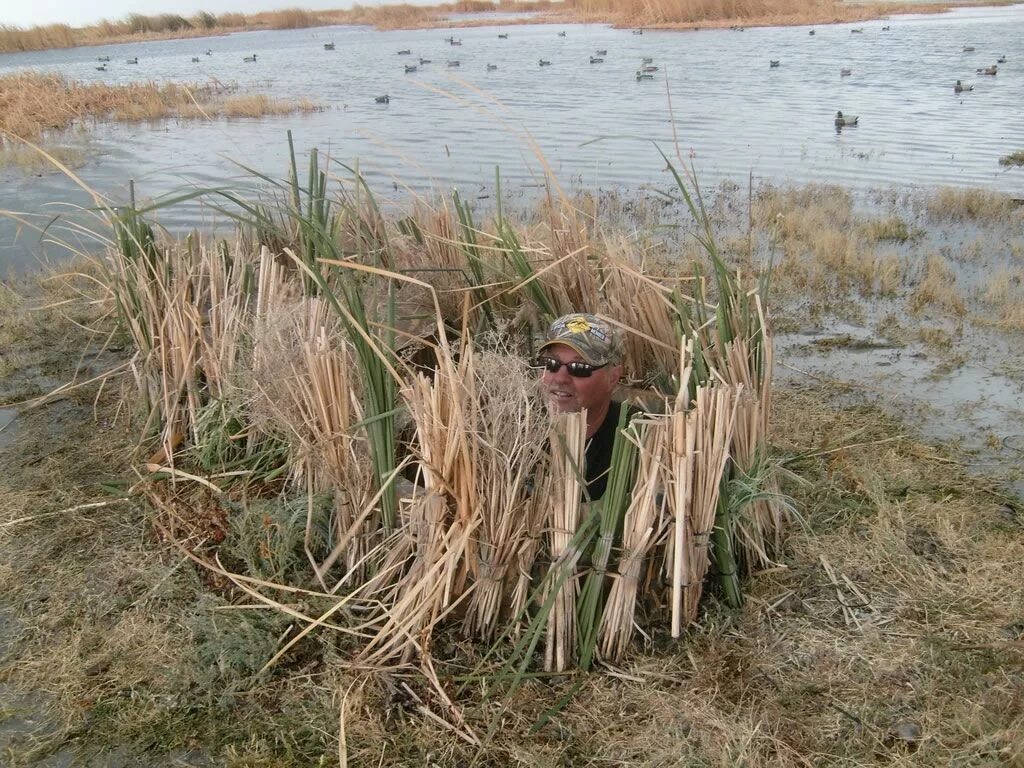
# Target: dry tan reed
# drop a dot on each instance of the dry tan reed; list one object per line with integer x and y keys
{"x": 34, "y": 106}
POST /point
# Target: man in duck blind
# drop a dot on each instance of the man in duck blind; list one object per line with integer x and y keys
{"x": 581, "y": 360}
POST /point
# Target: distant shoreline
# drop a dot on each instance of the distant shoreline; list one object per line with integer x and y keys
{"x": 383, "y": 18}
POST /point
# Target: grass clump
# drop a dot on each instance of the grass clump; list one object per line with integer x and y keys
{"x": 956, "y": 204}
{"x": 1013, "y": 159}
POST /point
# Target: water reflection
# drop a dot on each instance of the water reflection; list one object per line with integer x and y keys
{"x": 714, "y": 93}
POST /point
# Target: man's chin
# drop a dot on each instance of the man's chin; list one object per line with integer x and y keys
{"x": 562, "y": 404}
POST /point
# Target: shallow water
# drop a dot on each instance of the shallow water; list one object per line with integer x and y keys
{"x": 593, "y": 123}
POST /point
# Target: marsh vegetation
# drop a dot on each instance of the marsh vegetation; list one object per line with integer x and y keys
{"x": 204, "y": 470}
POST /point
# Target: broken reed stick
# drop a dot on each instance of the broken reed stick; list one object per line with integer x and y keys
{"x": 680, "y": 480}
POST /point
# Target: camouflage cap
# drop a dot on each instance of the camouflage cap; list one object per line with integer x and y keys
{"x": 596, "y": 340}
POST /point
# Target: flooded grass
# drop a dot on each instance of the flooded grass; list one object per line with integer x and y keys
{"x": 36, "y": 106}
{"x": 1013, "y": 159}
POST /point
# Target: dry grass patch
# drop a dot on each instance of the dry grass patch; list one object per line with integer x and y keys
{"x": 1014, "y": 159}
{"x": 937, "y": 288}
{"x": 34, "y": 106}
{"x": 955, "y": 204}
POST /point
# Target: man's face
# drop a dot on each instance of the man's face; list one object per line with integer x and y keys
{"x": 565, "y": 393}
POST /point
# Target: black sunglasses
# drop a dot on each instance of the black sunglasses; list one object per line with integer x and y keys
{"x": 576, "y": 369}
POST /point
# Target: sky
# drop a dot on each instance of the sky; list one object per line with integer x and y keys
{"x": 22, "y": 13}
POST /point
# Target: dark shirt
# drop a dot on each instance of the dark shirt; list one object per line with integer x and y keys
{"x": 599, "y": 450}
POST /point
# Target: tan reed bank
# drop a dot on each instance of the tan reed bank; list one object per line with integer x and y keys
{"x": 38, "y": 107}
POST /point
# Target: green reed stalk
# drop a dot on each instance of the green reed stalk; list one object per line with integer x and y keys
{"x": 611, "y": 510}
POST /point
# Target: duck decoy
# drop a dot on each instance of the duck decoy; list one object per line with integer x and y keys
{"x": 101, "y": 68}
{"x": 845, "y": 72}
{"x": 886, "y": 28}
{"x": 596, "y": 60}
{"x": 385, "y": 99}
{"x": 648, "y": 69}
{"x": 845, "y": 121}
{"x": 503, "y": 35}
{"x": 561, "y": 34}
{"x": 857, "y": 31}
{"x": 328, "y": 46}
{"x": 102, "y": 58}
{"x": 811, "y": 33}
{"x": 250, "y": 59}
{"x": 988, "y": 70}
{"x": 545, "y": 63}
{"x": 448, "y": 39}
{"x": 410, "y": 67}
{"x": 132, "y": 61}
{"x": 644, "y": 76}
{"x": 773, "y": 63}
{"x": 453, "y": 63}
{"x": 456, "y": 42}
{"x": 491, "y": 67}
{"x": 1001, "y": 60}
{"x": 405, "y": 52}
{"x": 195, "y": 59}
{"x": 968, "y": 49}
{"x": 425, "y": 61}
{"x": 602, "y": 52}
{"x": 638, "y": 31}
{"x": 961, "y": 87}
{"x": 209, "y": 52}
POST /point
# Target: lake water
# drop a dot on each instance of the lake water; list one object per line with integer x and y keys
{"x": 594, "y": 124}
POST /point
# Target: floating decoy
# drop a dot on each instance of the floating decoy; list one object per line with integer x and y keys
{"x": 503, "y": 35}
{"x": 648, "y": 69}
{"x": 545, "y": 63}
{"x": 811, "y": 32}
{"x": 385, "y": 99}
{"x": 1001, "y": 60}
{"x": 596, "y": 60}
{"x": 448, "y": 39}
{"x": 638, "y": 31}
{"x": 456, "y": 42}
{"x": 773, "y": 63}
{"x": 425, "y": 61}
{"x": 133, "y": 61}
{"x": 250, "y": 59}
{"x": 845, "y": 121}
{"x": 886, "y": 29}
{"x": 845, "y": 72}
{"x": 209, "y": 52}
{"x": 195, "y": 59}
{"x": 101, "y": 68}
{"x": 988, "y": 70}
{"x": 961, "y": 87}
{"x": 644, "y": 76}
{"x": 453, "y": 63}
{"x": 646, "y": 60}
{"x": 491, "y": 67}
{"x": 561, "y": 34}
{"x": 328, "y": 46}
{"x": 602, "y": 52}
{"x": 410, "y": 67}
{"x": 406, "y": 52}
{"x": 968, "y": 49}
{"x": 102, "y": 58}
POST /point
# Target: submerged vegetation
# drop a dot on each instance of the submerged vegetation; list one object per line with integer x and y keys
{"x": 258, "y": 400}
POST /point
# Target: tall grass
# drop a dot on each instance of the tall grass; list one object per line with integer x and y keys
{"x": 317, "y": 354}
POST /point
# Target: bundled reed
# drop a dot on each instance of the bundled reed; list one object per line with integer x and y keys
{"x": 383, "y": 364}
